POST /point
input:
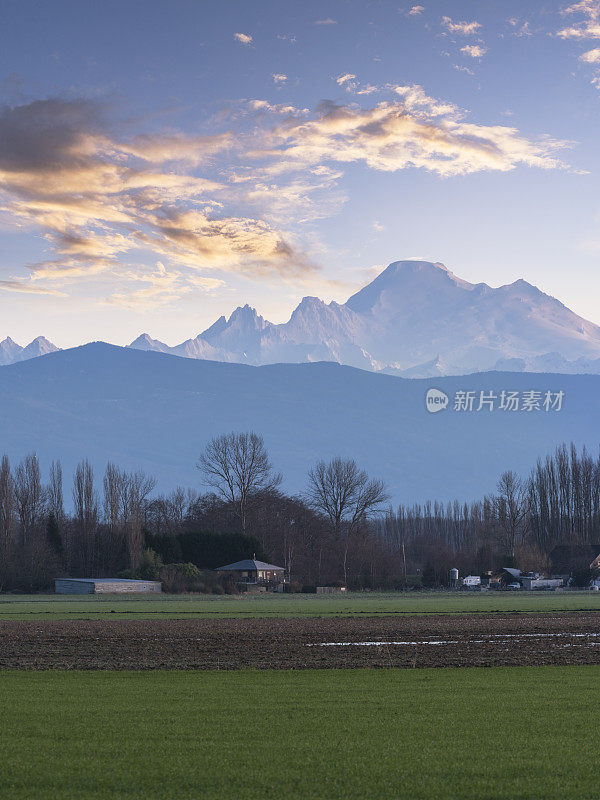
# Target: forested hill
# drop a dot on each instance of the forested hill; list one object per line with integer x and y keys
{"x": 156, "y": 412}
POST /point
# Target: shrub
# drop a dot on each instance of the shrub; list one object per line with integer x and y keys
{"x": 178, "y": 578}
{"x": 582, "y": 577}
{"x": 150, "y": 566}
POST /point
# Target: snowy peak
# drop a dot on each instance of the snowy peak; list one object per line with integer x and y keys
{"x": 215, "y": 329}
{"x": 11, "y": 352}
{"x": 146, "y": 342}
{"x": 407, "y": 285}
{"x": 246, "y": 318}
{"x": 417, "y": 319}
{"x": 38, "y": 347}
{"x": 317, "y": 322}
{"x": 238, "y": 338}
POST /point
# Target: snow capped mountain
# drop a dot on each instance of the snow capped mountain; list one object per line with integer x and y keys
{"x": 236, "y": 339}
{"x": 38, "y": 347}
{"x": 421, "y": 310}
{"x": 145, "y": 342}
{"x": 11, "y": 352}
{"x": 416, "y": 319}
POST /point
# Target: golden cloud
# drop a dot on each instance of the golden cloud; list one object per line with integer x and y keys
{"x": 229, "y": 201}
{"x": 98, "y": 198}
{"x": 416, "y": 132}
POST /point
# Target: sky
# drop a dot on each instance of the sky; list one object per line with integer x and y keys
{"x": 164, "y": 162}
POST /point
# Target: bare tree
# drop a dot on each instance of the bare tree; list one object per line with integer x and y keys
{"x": 85, "y": 502}
{"x": 113, "y": 493}
{"x": 512, "y": 510}
{"x": 136, "y": 488}
{"x": 55, "y": 493}
{"x": 345, "y": 495}
{"x": 7, "y": 505}
{"x": 169, "y": 513}
{"x": 29, "y": 495}
{"x": 237, "y": 467}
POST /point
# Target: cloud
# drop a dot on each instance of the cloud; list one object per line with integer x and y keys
{"x": 195, "y": 239}
{"x": 591, "y": 56}
{"x": 22, "y": 287}
{"x": 414, "y": 131}
{"x": 307, "y": 196}
{"x": 463, "y": 28}
{"x": 243, "y": 38}
{"x": 279, "y": 77}
{"x": 588, "y": 27}
{"x": 473, "y": 50}
{"x": 231, "y": 201}
{"x": 161, "y": 287}
{"x": 462, "y": 68}
{"x": 101, "y": 200}
{"x": 350, "y": 84}
{"x": 326, "y": 21}
{"x": 520, "y": 28}
{"x": 416, "y": 10}
{"x": 275, "y": 108}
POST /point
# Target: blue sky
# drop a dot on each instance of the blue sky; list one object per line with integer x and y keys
{"x": 161, "y": 163}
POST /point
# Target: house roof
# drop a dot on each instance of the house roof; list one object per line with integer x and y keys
{"x": 516, "y": 573}
{"x": 249, "y": 564}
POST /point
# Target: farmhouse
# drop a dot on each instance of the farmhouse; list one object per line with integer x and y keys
{"x": 105, "y": 586}
{"x": 255, "y": 573}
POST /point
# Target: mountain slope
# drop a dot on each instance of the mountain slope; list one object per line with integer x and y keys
{"x": 416, "y": 318}
{"x": 153, "y": 411}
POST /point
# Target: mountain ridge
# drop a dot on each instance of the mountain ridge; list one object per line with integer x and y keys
{"x": 13, "y": 353}
{"x": 414, "y": 316}
{"x": 415, "y": 319}
{"x": 154, "y": 411}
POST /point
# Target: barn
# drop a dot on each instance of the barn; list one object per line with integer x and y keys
{"x": 105, "y": 586}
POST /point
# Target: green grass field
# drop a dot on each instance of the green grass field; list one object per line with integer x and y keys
{"x": 297, "y": 605}
{"x": 468, "y": 733}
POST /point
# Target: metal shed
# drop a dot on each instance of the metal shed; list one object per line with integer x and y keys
{"x": 105, "y": 586}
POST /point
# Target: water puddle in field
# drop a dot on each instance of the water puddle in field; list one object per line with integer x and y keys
{"x": 377, "y": 644}
{"x": 493, "y": 638}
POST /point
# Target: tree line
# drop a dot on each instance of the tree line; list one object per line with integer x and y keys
{"x": 523, "y": 524}
{"x": 340, "y": 529}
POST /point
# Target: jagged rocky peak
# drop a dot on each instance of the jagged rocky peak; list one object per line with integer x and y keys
{"x": 415, "y": 318}
{"x": 146, "y": 342}
{"x": 247, "y": 317}
{"x": 11, "y": 352}
{"x": 215, "y": 329}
